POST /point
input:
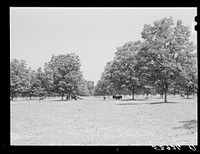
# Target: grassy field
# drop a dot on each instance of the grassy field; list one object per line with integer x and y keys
{"x": 94, "y": 121}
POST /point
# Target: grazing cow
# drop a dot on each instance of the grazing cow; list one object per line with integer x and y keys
{"x": 78, "y": 97}
{"x": 104, "y": 98}
{"x": 117, "y": 97}
{"x": 74, "y": 97}
{"x": 182, "y": 95}
{"x": 42, "y": 98}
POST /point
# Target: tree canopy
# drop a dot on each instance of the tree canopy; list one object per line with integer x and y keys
{"x": 165, "y": 59}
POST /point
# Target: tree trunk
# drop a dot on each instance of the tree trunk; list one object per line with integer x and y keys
{"x": 30, "y": 97}
{"x": 165, "y": 93}
{"x": 67, "y": 97}
{"x": 146, "y": 96}
{"x": 133, "y": 92}
{"x": 12, "y": 95}
{"x": 165, "y": 96}
{"x": 62, "y": 95}
{"x": 187, "y": 94}
{"x": 187, "y": 91}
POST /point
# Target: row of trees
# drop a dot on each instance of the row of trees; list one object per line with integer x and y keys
{"x": 61, "y": 76}
{"x": 164, "y": 61}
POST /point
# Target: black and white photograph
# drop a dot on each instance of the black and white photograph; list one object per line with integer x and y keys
{"x": 103, "y": 76}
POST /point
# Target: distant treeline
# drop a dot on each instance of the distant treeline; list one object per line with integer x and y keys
{"x": 60, "y": 76}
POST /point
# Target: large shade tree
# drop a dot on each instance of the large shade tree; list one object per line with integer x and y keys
{"x": 66, "y": 73}
{"x": 121, "y": 71}
{"x": 18, "y": 72}
{"x": 161, "y": 56}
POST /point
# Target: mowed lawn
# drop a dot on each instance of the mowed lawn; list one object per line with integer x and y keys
{"x": 94, "y": 121}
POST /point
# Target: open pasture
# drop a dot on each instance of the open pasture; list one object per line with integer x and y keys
{"x": 94, "y": 121}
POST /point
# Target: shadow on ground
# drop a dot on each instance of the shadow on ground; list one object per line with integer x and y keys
{"x": 58, "y": 100}
{"x": 130, "y": 103}
{"x": 25, "y": 100}
{"x": 153, "y": 103}
{"x": 189, "y": 125}
{"x": 134, "y": 99}
{"x": 64, "y": 100}
{"x": 162, "y": 103}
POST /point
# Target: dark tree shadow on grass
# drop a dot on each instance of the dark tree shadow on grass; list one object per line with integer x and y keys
{"x": 64, "y": 100}
{"x": 59, "y": 100}
{"x": 25, "y": 100}
{"x": 162, "y": 103}
{"x": 134, "y": 99}
{"x": 189, "y": 125}
{"x": 153, "y": 103}
{"x": 129, "y": 104}
{"x": 184, "y": 98}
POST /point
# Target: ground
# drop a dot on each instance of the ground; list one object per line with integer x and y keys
{"x": 94, "y": 121}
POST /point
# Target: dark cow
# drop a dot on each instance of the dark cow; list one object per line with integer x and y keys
{"x": 182, "y": 95}
{"x": 117, "y": 97}
{"x": 74, "y": 97}
{"x": 104, "y": 98}
{"x": 42, "y": 98}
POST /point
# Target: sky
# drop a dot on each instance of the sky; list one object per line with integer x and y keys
{"x": 91, "y": 33}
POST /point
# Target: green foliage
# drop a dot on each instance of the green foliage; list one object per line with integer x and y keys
{"x": 90, "y": 87}
{"x": 66, "y": 73}
{"x": 33, "y": 84}
{"x": 102, "y": 88}
{"x": 164, "y": 53}
{"x": 61, "y": 75}
{"x": 120, "y": 74}
{"x": 18, "y": 72}
{"x": 188, "y": 77}
{"x": 165, "y": 61}
{"x": 48, "y": 80}
{"x": 83, "y": 88}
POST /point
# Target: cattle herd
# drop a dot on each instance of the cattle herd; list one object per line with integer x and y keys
{"x": 117, "y": 97}
{"x": 114, "y": 97}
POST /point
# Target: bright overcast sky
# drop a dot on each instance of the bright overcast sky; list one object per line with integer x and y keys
{"x": 92, "y": 33}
